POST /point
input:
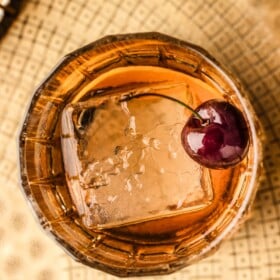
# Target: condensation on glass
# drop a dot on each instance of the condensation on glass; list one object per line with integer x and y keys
{"x": 107, "y": 176}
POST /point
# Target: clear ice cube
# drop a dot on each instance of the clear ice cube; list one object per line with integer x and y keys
{"x": 124, "y": 161}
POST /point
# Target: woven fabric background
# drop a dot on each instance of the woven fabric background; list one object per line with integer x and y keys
{"x": 242, "y": 34}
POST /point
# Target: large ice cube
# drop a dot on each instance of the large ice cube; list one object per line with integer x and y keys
{"x": 124, "y": 161}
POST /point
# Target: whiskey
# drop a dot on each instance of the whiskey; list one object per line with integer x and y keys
{"x": 126, "y": 157}
{"x": 106, "y": 172}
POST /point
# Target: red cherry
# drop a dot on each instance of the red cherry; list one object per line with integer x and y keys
{"x": 218, "y": 141}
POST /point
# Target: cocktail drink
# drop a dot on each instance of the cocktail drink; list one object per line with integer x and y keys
{"x": 140, "y": 154}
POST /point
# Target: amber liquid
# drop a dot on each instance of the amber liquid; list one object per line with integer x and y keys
{"x": 125, "y": 166}
{"x": 107, "y": 175}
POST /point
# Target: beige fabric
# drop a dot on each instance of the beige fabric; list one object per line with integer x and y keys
{"x": 244, "y": 35}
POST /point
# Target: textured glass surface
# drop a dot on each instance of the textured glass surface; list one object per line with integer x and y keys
{"x": 87, "y": 156}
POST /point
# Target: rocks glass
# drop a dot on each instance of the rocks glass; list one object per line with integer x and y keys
{"x": 106, "y": 173}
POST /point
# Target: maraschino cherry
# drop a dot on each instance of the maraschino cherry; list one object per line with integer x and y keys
{"x": 216, "y": 134}
{"x": 219, "y": 138}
